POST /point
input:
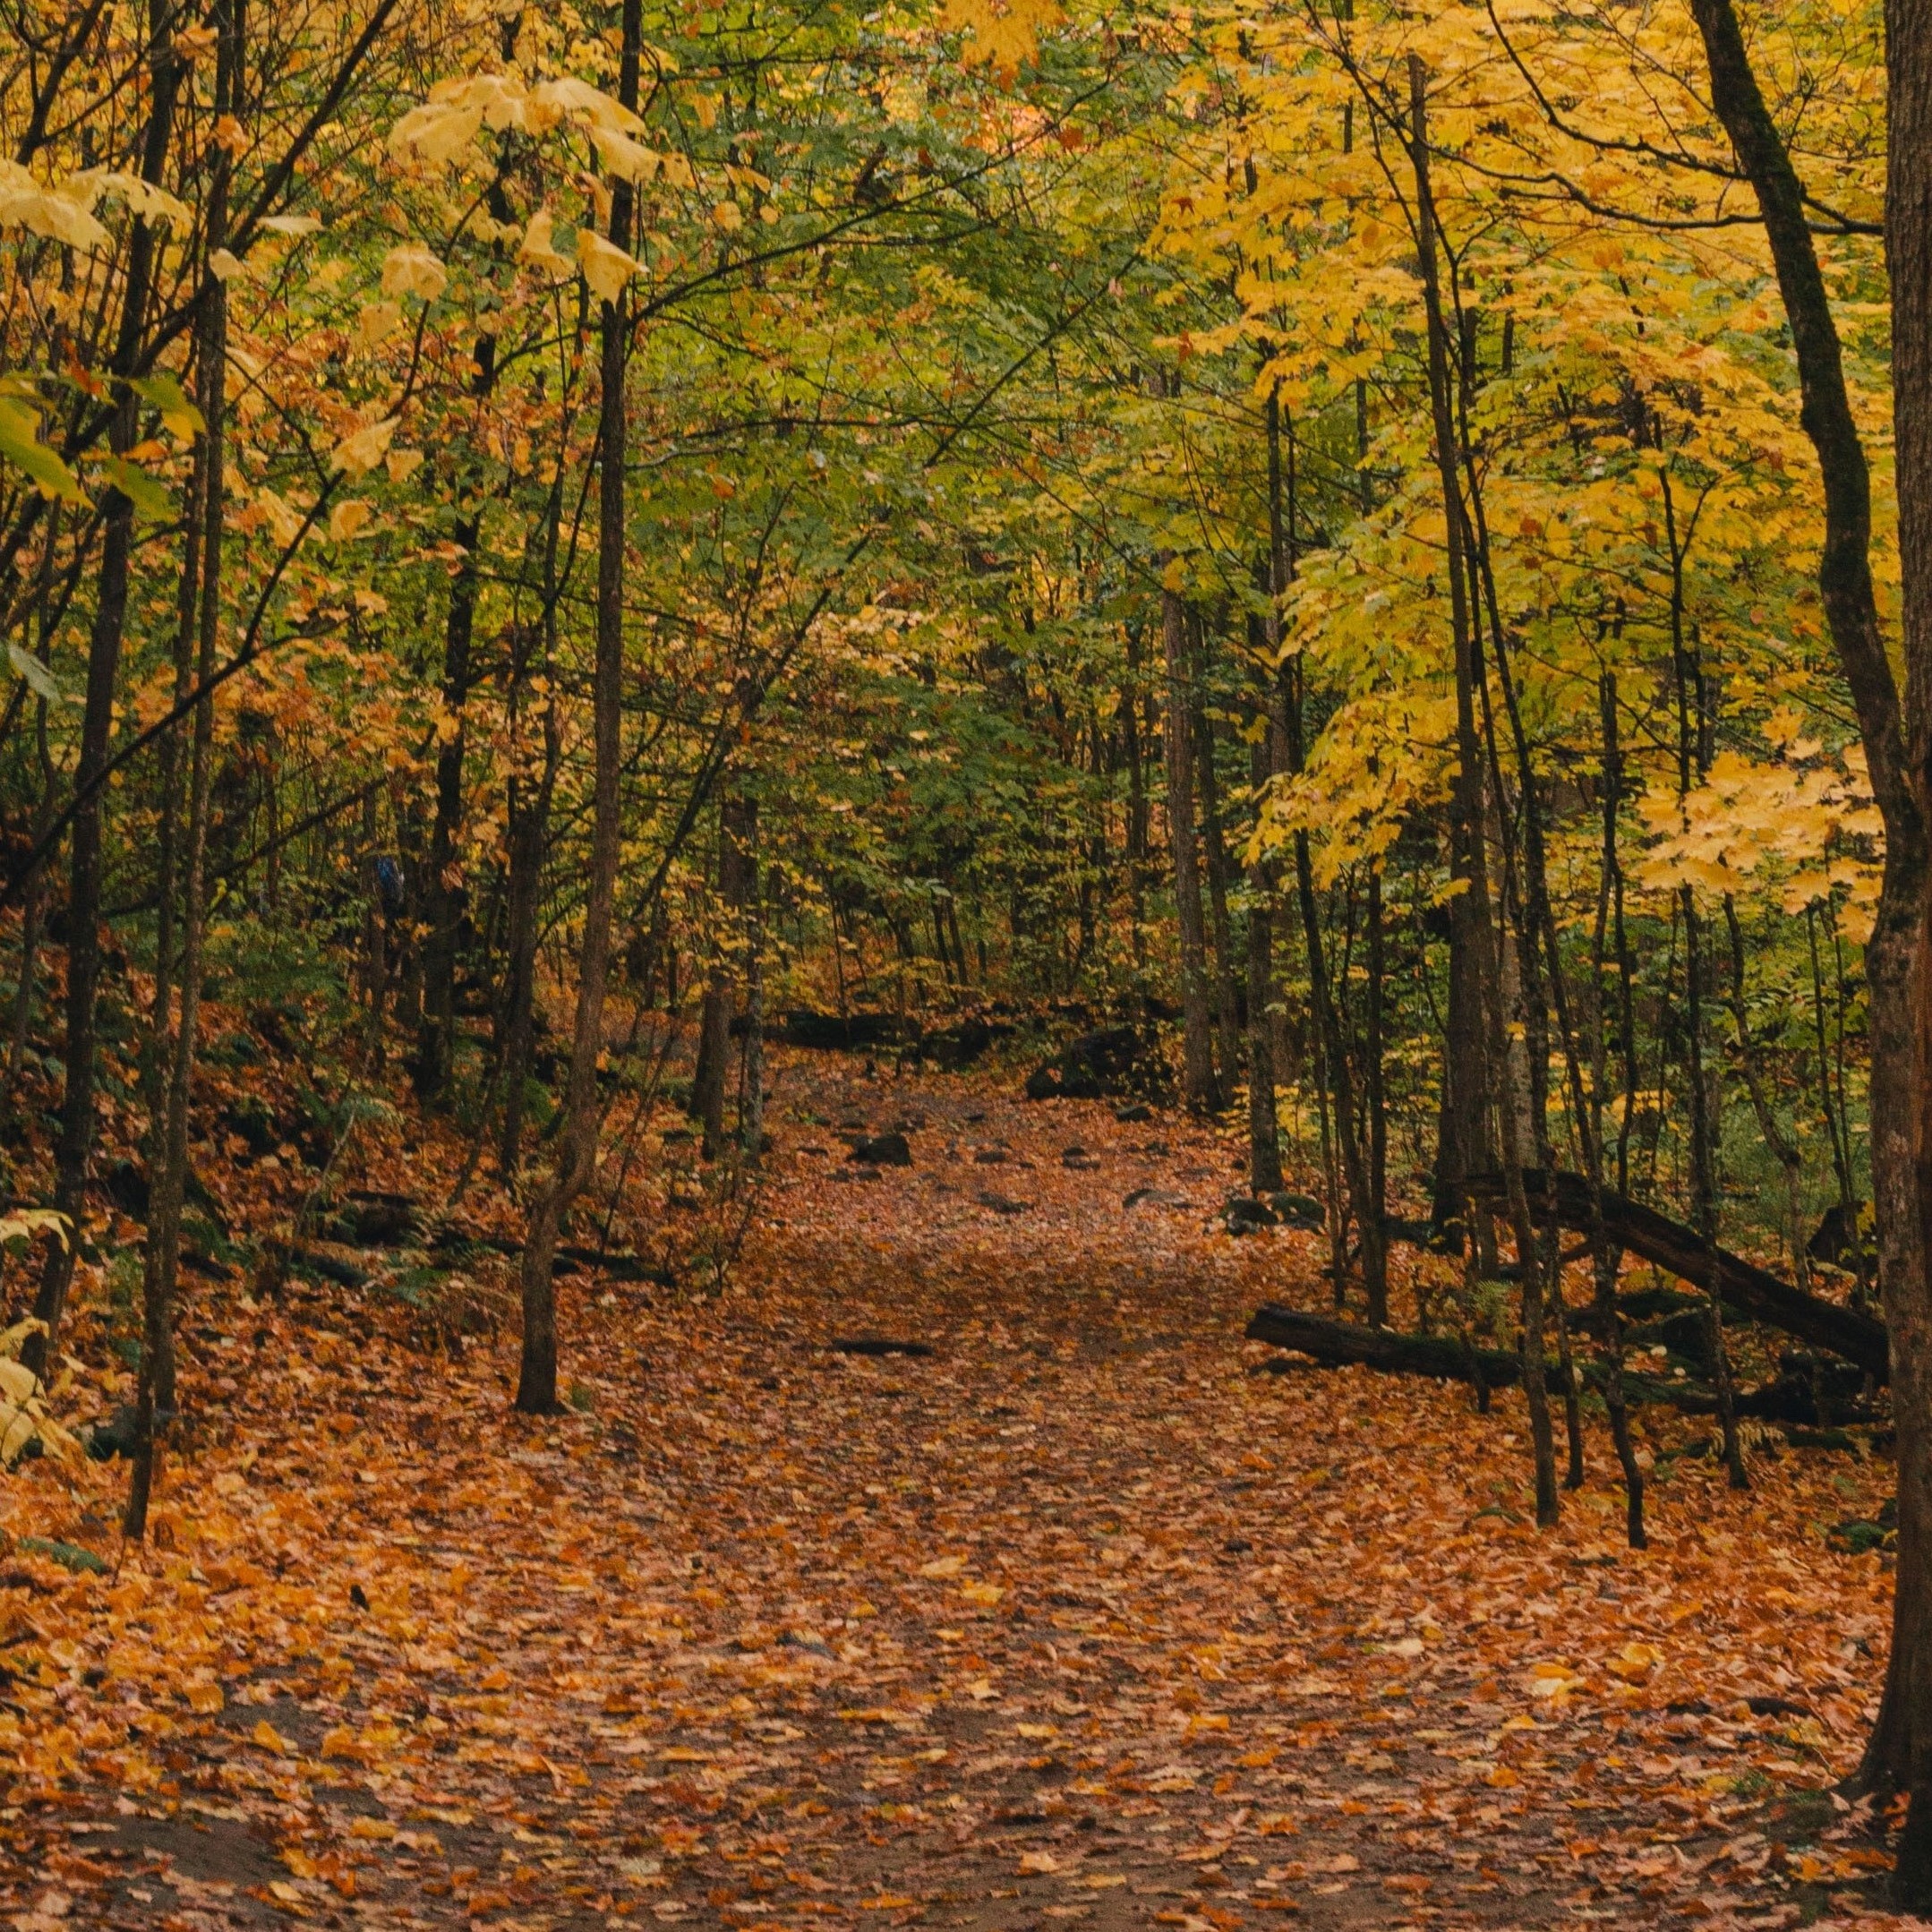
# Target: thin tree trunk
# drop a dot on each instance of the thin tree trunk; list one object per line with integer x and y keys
{"x": 1373, "y": 1050}
{"x": 1200, "y": 1089}
{"x": 1227, "y": 1006}
{"x": 1137, "y": 819}
{"x": 576, "y": 1152}
{"x": 751, "y": 1107}
{"x": 1784, "y": 1150}
{"x": 436, "y": 1034}
{"x": 708, "y": 1078}
{"x": 1470, "y": 815}
{"x": 1264, "y": 1131}
{"x": 529, "y": 833}
{"x": 75, "y": 1145}
{"x": 169, "y": 1166}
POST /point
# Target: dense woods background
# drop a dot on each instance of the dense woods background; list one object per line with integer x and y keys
{"x": 1354, "y": 558}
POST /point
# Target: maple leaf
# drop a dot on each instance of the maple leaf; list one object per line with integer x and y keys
{"x": 1001, "y": 34}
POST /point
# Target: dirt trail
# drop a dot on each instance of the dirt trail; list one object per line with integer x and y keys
{"x": 1084, "y": 1617}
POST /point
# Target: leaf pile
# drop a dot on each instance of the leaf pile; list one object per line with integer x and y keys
{"x": 1078, "y": 1618}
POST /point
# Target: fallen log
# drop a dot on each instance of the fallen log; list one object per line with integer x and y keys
{"x": 1443, "y": 1358}
{"x": 1343, "y": 1344}
{"x": 1749, "y": 1290}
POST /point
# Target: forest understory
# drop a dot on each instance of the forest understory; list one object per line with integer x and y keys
{"x": 1094, "y": 1613}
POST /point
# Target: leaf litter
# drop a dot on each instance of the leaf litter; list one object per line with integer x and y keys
{"x": 1077, "y": 1617}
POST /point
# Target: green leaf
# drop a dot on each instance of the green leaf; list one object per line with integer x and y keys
{"x": 152, "y": 503}
{"x": 180, "y": 417}
{"x": 21, "y": 445}
{"x": 69, "y": 1555}
{"x": 40, "y": 678}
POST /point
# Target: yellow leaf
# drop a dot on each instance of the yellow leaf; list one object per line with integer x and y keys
{"x": 435, "y": 131}
{"x": 411, "y": 269}
{"x": 348, "y": 520}
{"x": 605, "y": 266}
{"x": 943, "y": 1566}
{"x": 206, "y": 1698}
{"x": 984, "y": 1593}
{"x": 540, "y": 252}
{"x": 1038, "y": 1861}
{"x": 58, "y": 212}
{"x": 270, "y": 1738}
{"x": 627, "y": 159}
{"x": 359, "y": 452}
{"x": 377, "y": 321}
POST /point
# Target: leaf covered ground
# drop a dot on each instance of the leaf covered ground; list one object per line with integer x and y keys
{"x": 1086, "y": 1616}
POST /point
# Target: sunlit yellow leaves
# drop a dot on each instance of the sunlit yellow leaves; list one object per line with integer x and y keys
{"x": 627, "y": 159}
{"x": 539, "y": 251}
{"x": 285, "y": 524}
{"x": 21, "y": 445}
{"x": 270, "y": 1738}
{"x": 1809, "y": 829}
{"x": 1000, "y": 34}
{"x": 376, "y": 322}
{"x": 348, "y": 520}
{"x": 606, "y": 266}
{"x": 140, "y": 197}
{"x": 1635, "y": 1662}
{"x": 361, "y": 450}
{"x": 412, "y": 269}
{"x": 60, "y": 211}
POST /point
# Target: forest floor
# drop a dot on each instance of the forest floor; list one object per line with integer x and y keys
{"x": 1085, "y": 1617}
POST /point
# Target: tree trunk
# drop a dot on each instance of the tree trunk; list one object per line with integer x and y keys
{"x": 1470, "y": 818}
{"x": 1264, "y": 1131}
{"x": 75, "y": 1145}
{"x": 444, "y": 896}
{"x": 169, "y": 1166}
{"x": 1226, "y": 1007}
{"x": 1200, "y": 1089}
{"x": 1897, "y": 752}
{"x": 576, "y": 1151}
{"x": 710, "y": 1075}
{"x": 751, "y": 1105}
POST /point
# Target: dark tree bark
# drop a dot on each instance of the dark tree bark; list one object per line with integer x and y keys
{"x": 1469, "y": 815}
{"x": 576, "y": 1152}
{"x": 169, "y": 1169}
{"x": 1130, "y": 699}
{"x": 1898, "y": 749}
{"x": 711, "y": 1074}
{"x": 1200, "y": 1089}
{"x": 1264, "y": 1132}
{"x": 1214, "y": 849}
{"x": 75, "y": 1146}
{"x": 444, "y": 892}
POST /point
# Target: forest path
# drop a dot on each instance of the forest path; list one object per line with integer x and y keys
{"x": 1084, "y": 1617}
